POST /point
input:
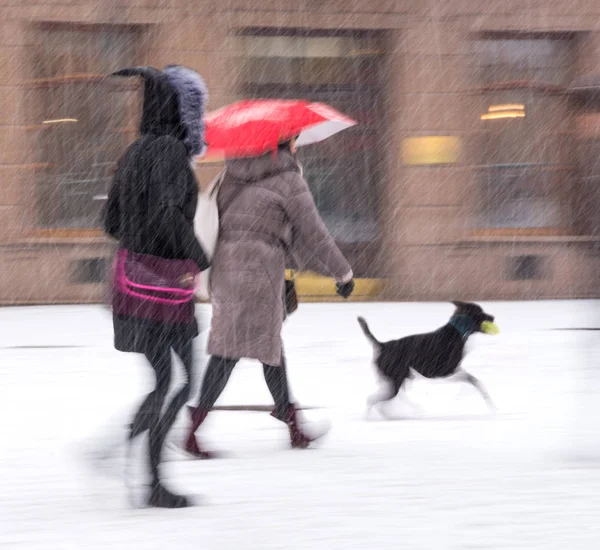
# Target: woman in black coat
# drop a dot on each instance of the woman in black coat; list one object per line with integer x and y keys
{"x": 150, "y": 211}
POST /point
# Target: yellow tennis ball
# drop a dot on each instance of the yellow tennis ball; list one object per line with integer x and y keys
{"x": 489, "y": 328}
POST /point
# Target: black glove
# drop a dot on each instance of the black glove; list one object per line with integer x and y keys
{"x": 345, "y": 289}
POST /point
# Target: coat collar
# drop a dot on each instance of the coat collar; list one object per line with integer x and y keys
{"x": 253, "y": 169}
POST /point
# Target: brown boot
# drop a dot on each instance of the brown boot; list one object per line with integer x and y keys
{"x": 191, "y": 444}
{"x": 298, "y": 438}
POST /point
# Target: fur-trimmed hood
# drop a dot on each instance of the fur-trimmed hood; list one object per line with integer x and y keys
{"x": 174, "y": 104}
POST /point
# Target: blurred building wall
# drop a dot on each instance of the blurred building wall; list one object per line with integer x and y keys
{"x": 466, "y": 207}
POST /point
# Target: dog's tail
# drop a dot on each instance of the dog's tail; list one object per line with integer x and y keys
{"x": 365, "y": 328}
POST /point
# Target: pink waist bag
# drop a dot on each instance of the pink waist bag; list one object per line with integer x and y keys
{"x": 154, "y": 288}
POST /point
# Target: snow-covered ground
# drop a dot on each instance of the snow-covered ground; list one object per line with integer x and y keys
{"x": 454, "y": 478}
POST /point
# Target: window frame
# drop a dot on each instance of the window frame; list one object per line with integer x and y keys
{"x": 372, "y": 223}
{"x": 140, "y": 35}
{"x": 534, "y": 86}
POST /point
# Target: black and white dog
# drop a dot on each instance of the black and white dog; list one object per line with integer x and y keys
{"x": 436, "y": 354}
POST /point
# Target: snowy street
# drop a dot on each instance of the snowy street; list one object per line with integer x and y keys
{"x": 451, "y": 477}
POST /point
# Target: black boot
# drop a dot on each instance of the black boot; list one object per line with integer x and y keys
{"x": 160, "y": 497}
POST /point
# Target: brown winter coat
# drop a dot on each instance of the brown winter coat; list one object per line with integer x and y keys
{"x": 266, "y": 210}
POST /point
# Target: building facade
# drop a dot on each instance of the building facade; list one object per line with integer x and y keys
{"x": 473, "y": 172}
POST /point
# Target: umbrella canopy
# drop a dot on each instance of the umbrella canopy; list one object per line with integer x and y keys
{"x": 254, "y": 127}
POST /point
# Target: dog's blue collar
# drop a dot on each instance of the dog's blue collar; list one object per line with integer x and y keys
{"x": 463, "y": 324}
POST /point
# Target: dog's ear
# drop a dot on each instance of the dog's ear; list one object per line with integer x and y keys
{"x": 460, "y": 305}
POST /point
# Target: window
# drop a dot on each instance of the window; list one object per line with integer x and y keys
{"x": 524, "y": 142}
{"x": 84, "y": 119}
{"x": 526, "y": 268}
{"x": 523, "y": 58}
{"x": 345, "y": 173}
{"x": 587, "y": 206}
{"x": 90, "y": 270}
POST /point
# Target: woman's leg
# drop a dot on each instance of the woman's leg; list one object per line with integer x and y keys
{"x": 285, "y": 410}
{"x": 216, "y": 376}
{"x": 185, "y": 351}
{"x": 277, "y": 382}
{"x": 159, "y": 357}
{"x": 142, "y": 417}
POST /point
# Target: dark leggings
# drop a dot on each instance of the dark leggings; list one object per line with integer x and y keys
{"x": 217, "y": 375}
{"x": 148, "y": 416}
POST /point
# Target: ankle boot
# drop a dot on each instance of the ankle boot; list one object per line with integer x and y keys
{"x": 298, "y": 438}
{"x": 161, "y": 497}
{"x": 198, "y": 416}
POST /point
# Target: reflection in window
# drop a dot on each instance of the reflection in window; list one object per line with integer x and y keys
{"x": 523, "y": 58}
{"x": 84, "y": 119}
{"x": 518, "y": 196}
{"x": 524, "y": 142}
{"x": 346, "y": 71}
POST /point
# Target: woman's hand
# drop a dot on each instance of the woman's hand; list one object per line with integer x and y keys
{"x": 187, "y": 281}
{"x": 345, "y": 289}
{"x": 345, "y": 285}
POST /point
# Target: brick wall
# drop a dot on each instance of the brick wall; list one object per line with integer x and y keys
{"x": 426, "y": 253}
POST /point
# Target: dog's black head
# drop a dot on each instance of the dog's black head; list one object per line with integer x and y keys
{"x": 469, "y": 318}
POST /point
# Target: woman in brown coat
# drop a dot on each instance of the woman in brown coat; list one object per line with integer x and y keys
{"x": 266, "y": 211}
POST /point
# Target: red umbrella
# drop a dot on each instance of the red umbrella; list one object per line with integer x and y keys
{"x": 253, "y": 127}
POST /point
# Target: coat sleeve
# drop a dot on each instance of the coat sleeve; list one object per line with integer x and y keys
{"x": 112, "y": 213}
{"x": 312, "y": 245}
{"x": 174, "y": 176}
